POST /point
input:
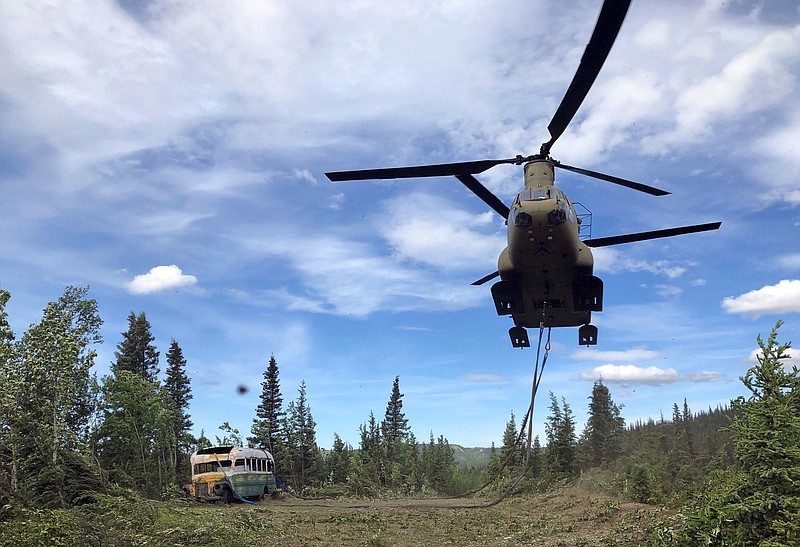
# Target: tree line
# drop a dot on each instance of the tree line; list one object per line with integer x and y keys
{"x": 66, "y": 435}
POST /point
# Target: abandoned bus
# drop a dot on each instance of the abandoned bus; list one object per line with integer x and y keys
{"x": 226, "y": 472}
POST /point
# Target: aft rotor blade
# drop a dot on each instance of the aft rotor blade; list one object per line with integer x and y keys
{"x": 483, "y": 280}
{"x": 438, "y": 170}
{"x": 612, "y": 14}
{"x": 482, "y": 192}
{"x": 656, "y": 234}
{"x": 616, "y": 180}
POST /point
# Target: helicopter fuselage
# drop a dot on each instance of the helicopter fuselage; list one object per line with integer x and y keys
{"x": 545, "y": 271}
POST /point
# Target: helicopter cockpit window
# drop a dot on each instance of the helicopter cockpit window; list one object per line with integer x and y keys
{"x": 534, "y": 194}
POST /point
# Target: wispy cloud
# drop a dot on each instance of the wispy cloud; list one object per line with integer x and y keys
{"x": 429, "y": 230}
{"x": 636, "y": 375}
{"x": 485, "y": 378}
{"x": 616, "y": 261}
{"x": 633, "y": 354}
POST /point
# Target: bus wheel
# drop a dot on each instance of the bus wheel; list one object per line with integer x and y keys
{"x": 227, "y": 495}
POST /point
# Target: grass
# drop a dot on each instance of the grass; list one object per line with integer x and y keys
{"x": 570, "y": 516}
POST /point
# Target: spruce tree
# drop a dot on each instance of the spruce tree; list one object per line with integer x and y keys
{"x": 759, "y": 504}
{"x": 373, "y": 458}
{"x": 302, "y": 454}
{"x": 179, "y": 393}
{"x": 561, "y": 440}
{"x": 395, "y": 424}
{"x": 136, "y": 353}
{"x": 602, "y": 437}
{"x": 136, "y": 432}
{"x": 767, "y": 430}
{"x": 511, "y": 450}
{"x": 266, "y": 430}
{"x": 394, "y": 429}
{"x": 338, "y": 462}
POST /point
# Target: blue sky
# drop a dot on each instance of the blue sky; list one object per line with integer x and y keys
{"x": 170, "y": 155}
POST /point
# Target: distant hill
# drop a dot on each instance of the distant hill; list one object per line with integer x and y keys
{"x": 471, "y": 457}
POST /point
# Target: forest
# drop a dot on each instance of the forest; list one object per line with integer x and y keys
{"x": 72, "y": 442}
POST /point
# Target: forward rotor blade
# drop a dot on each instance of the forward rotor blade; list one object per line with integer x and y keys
{"x": 605, "y": 32}
{"x": 656, "y": 234}
{"x": 483, "y": 280}
{"x": 482, "y": 192}
{"x": 438, "y": 170}
{"x": 616, "y": 180}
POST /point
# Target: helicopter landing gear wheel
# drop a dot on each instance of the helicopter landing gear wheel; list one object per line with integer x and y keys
{"x": 587, "y": 335}
{"x": 519, "y": 337}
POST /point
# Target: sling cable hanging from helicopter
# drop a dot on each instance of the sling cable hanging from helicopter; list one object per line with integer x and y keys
{"x": 527, "y": 422}
{"x": 538, "y": 371}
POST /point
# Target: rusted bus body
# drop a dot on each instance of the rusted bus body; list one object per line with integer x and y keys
{"x": 223, "y": 472}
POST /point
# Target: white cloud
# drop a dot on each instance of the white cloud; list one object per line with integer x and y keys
{"x": 790, "y": 261}
{"x": 631, "y": 374}
{"x": 793, "y": 353}
{"x": 615, "y": 261}
{"x": 160, "y": 278}
{"x": 343, "y": 276}
{"x": 757, "y": 78}
{"x": 427, "y": 229}
{"x": 668, "y": 291}
{"x": 784, "y": 297}
{"x": 633, "y": 354}
{"x": 485, "y": 378}
{"x": 759, "y": 73}
{"x": 636, "y": 375}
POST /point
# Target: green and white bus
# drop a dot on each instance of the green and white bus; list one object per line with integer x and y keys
{"x": 229, "y": 472}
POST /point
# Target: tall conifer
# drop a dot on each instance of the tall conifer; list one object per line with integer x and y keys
{"x": 179, "y": 393}
{"x": 602, "y": 437}
{"x": 136, "y": 353}
{"x": 269, "y": 413}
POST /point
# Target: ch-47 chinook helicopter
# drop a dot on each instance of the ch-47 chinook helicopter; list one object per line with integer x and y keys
{"x": 546, "y": 277}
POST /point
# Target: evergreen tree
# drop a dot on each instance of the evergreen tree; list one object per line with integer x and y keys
{"x": 438, "y": 464}
{"x": 768, "y": 447}
{"x": 535, "y": 465}
{"x": 511, "y": 449}
{"x": 561, "y": 441}
{"x": 602, "y": 437}
{"x": 135, "y": 433}
{"x": 338, "y": 462}
{"x": 399, "y": 456}
{"x": 202, "y": 441}
{"x": 179, "y": 393}
{"x": 136, "y": 353}
{"x": 373, "y": 459}
{"x": 395, "y": 424}
{"x": 269, "y": 413}
{"x": 760, "y": 505}
{"x": 136, "y": 439}
{"x": 302, "y": 454}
